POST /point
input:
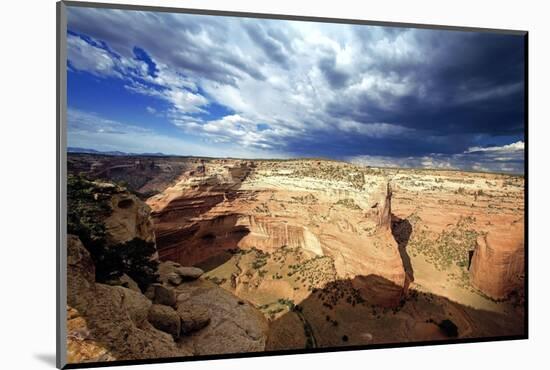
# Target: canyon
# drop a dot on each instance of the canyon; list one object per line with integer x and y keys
{"x": 311, "y": 253}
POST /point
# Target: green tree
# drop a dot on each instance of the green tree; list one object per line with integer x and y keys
{"x": 135, "y": 261}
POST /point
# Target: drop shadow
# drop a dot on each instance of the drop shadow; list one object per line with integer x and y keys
{"x": 46, "y": 358}
{"x": 401, "y": 230}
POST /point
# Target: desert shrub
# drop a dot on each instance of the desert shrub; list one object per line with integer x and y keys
{"x": 286, "y": 302}
{"x": 258, "y": 263}
{"x": 216, "y": 280}
{"x": 348, "y": 203}
{"x": 132, "y": 258}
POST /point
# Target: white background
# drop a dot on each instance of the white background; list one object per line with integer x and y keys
{"x": 27, "y": 170}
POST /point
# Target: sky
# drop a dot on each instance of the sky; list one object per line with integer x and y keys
{"x": 186, "y": 84}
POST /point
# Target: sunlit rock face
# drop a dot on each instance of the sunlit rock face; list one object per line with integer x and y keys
{"x": 321, "y": 209}
{"x": 498, "y": 262}
{"x": 130, "y": 218}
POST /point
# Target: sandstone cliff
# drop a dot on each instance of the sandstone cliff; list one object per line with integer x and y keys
{"x": 498, "y": 262}
{"x": 202, "y": 218}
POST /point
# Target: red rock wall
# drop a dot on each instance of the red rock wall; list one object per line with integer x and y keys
{"x": 498, "y": 262}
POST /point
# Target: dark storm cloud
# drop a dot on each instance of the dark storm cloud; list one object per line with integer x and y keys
{"x": 335, "y": 78}
{"x": 273, "y": 48}
{"x": 463, "y": 83}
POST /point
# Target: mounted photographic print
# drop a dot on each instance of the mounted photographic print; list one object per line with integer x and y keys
{"x": 235, "y": 184}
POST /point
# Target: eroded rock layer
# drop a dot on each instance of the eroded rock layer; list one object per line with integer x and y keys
{"x": 272, "y": 205}
{"x": 498, "y": 262}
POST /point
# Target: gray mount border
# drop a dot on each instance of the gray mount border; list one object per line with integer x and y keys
{"x": 61, "y": 173}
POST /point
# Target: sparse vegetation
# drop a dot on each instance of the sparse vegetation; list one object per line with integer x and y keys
{"x": 449, "y": 247}
{"x": 348, "y": 203}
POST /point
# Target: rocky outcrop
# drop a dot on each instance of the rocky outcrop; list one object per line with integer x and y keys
{"x": 234, "y": 326}
{"x": 164, "y": 295}
{"x": 381, "y": 206}
{"x": 126, "y": 282}
{"x": 113, "y": 225}
{"x": 129, "y": 219}
{"x": 175, "y": 273}
{"x": 165, "y": 318}
{"x": 178, "y": 316}
{"x": 108, "y": 322}
{"x": 212, "y": 319}
{"x": 192, "y": 317}
{"x": 498, "y": 263}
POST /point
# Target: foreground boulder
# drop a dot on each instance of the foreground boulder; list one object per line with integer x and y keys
{"x": 175, "y": 273}
{"x": 81, "y": 344}
{"x": 234, "y": 327}
{"x": 174, "y": 278}
{"x": 189, "y": 273}
{"x": 192, "y": 317}
{"x": 126, "y": 282}
{"x": 165, "y": 318}
{"x": 108, "y": 323}
{"x": 164, "y": 295}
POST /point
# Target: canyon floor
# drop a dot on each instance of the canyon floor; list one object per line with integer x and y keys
{"x": 333, "y": 254}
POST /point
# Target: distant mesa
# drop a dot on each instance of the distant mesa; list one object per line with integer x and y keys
{"x": 113, "y": 153}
